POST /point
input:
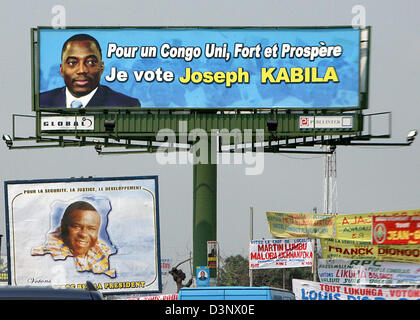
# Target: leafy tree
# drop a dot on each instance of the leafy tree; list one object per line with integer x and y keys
{"x": 235, "y": 272}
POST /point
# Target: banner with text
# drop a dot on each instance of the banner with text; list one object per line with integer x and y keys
{"x": 334, "y": 248}
{"x": 300, "y": 225}
{"x": 358, "y": 227}
{"x": 309, "y": 290}
{"x": 62, "y": 233}
{"x": 209, "y": 67}
{"x": 368, "y": 272}
{"x": 396, "y": 230}
{"x": 280, "y": 253}
{"x": 390, "y": 227}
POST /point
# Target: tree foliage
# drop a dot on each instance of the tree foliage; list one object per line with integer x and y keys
{"x": 235, "y": 272}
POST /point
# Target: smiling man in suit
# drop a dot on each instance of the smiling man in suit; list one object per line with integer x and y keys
{"x": 81, "y": 68}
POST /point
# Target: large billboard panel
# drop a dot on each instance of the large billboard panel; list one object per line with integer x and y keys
{"x": 63, "y": 233}
{"x": 300, "y": 67}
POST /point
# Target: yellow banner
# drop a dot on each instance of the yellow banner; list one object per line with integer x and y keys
{"x": 300, "y": 225}
{"x": 333, "y": 248}
{"x": 358, "y": 227}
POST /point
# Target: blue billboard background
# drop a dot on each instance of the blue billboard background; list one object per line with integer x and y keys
{"x": 174, "y": 94}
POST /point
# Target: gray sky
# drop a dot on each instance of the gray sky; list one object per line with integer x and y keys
{"x": 370, "y": 179}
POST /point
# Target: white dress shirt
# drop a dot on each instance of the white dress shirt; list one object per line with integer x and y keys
{"x": 84, "y": 100}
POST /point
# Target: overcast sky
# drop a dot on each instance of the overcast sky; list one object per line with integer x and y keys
{"x": 370, "y": 179}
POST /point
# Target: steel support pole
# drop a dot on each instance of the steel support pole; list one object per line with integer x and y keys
{"x": 204, "y": 209}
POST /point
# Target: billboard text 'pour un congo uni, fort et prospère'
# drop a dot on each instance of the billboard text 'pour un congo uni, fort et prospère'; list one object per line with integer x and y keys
{"x": 199, "y": 67}
{"x": 66, "y": 232}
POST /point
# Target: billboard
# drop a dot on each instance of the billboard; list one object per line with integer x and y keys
{"x": 195, "y": 67}
{"x": 63, "y": 233}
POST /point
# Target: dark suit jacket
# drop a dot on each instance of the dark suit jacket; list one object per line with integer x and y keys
{"x": 103, "y": 97}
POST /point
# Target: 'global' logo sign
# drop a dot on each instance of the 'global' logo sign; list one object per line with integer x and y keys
{"x": 67, "y": 123}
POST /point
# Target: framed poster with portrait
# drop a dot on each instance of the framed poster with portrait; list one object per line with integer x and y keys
{"x": 63, "y": 233}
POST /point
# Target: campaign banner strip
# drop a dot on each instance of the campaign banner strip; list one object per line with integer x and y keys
{"x": 368, "y": 272}
{"x": 334, "y": 248}
{"x": 396, "y": 230}
{"x": 300, "y": 225}
{"x": 358, "y": 227}
{"x": 280, "y": 253}
{"x": 403, "y": 226}
{"x": 309, "y": 290}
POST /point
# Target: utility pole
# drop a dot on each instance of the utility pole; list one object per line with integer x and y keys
{"x": 251, "y": 237}
{"x": 330, "y": 193}
{"x": 315, "y": 258}
{"x": 330, "y": 181}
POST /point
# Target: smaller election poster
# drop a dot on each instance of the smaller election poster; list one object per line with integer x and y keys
{"x": 212, "y": 254}
{"x": 203, "y": 277}
{"x": 280, "y": 253}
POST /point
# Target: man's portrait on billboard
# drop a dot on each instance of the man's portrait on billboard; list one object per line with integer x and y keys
{"x": 81, "y": 69}
{"x": 78, "y": 236}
